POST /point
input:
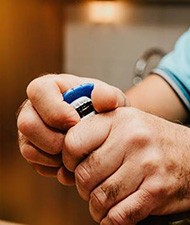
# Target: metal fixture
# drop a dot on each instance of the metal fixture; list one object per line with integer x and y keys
{"x": 143, "y": 61}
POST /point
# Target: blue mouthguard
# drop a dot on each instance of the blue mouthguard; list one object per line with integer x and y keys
{"x": 77, "y": 92}
{"x": 80, "y": 98}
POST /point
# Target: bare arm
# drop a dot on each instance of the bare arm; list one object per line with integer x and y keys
{"x": 154, "y": 95}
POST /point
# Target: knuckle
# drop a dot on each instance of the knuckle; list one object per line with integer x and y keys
{"x": 44, "y": 171}
{"x": 22, "y": 143}
{"x": 158, "y": 190}
{"x": 26, "y": 152}
{"x": 98, "y": 199}
{"x": 131, "y": 214}
{"x": 140, "y": 133}
{"x": 33, "y": 88}
{"x": 117, "y": 217}
{"x": 151, "y": 162}
{"x": 134, "y": 216}
{"x": 25, "y": 122}
{"x": 122, "y": 216}
{"x": 145, "y": 197}
{"x": 149, "y": 166}
{"x": 103, "y": 198}
{"x": 83, "y": 178}
{"x": 138, "y": 212}
{"x": 38, "y": 85}
{"x": 141, "y": 136}
{"x": 72, "y": 143}
{"x": 25, "y": 125}
{"x": 21, "y": 107}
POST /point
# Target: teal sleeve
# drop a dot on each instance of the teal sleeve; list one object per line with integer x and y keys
{"x": 175, "y": 68}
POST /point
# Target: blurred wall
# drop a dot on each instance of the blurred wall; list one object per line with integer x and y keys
{"x": 108, "y": 51}
{"x": 30, "y": 45}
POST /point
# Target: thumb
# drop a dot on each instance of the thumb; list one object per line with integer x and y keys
{"x": 106, "y": 97}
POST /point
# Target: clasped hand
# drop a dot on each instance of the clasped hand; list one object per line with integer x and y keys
{"x": 126, "y": 163}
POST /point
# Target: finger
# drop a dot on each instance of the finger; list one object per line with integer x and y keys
{"x": 83, "y": 138}
{"x": 35, "y": 155}
{"x": 45, "y": 93}
{"x": 31, "y": 125}
{"x": 65, "y": 177}
{"x": 131, "y": 210}
{"x": 98, "y": 166}
{"x": 106, "y": 97}
{"x": 45, "y": 170}
{"x": 117, "y": 187}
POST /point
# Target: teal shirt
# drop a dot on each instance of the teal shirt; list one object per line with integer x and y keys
{"x": 175, "y": 68}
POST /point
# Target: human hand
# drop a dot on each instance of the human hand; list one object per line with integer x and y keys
{"x": 44, "y": 119}
{"x": 129, "y": 164}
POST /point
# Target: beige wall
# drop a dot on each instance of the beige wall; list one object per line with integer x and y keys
{"x": 109, "y": 52}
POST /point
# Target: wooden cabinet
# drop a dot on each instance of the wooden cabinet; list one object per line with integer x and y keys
{"x": 31, "y": 44}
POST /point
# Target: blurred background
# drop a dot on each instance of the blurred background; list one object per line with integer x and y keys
{"x": 101, "y": 39}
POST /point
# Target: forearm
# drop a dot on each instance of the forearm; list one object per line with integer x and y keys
{"x": 154, "y": 95}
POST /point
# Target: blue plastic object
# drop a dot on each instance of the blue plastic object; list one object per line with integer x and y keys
{"x": 80, "y": 98}
{"x": 77, "y": 92}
